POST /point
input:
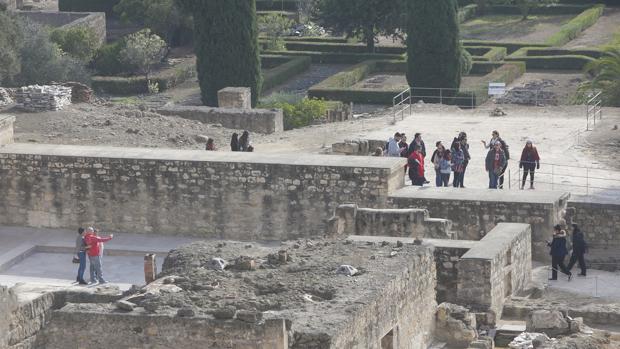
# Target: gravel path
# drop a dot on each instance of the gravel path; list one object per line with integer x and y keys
{"x": 601, "y": 32}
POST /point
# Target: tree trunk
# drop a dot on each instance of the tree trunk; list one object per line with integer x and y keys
{"x": 369, "y": 36}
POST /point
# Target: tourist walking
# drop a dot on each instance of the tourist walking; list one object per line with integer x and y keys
{"x": 392, "y": 148}
{"x": 417, "y": 141}
{"x": 416, "y": 167}
{"x": 80, "y": 255}
{"x": 234, "y": 142}
{"x": 94, "y": 248}
{"x": 495, "y": 138}
{"x": 580, "y": 248}
{"x": 462, "y": 140}
{"x": 495, "y": 163}
{"x": 458, "y": 164}
{"x": 244, "y": 141}
{"x": 558, "y": 251}
{"x": 210, "y": 144}
{"x": 530, "y": 161}
{"x": 435, "y": 159}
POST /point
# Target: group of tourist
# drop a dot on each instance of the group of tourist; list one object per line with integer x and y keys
{"x": 454, "y": 160}
{"x": 558, "y": 252}
{"x": 89, "y": 243}
{"x": 236, "y": 143}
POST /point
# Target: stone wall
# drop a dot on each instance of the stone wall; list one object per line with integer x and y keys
{"x": 227, "y": 195}
{"x": 94, "y": 20}
{"x": 495, "y": 268}
{"x": 405, "y": 306}
{"x": 8, "y": 303}
{"x": 253, "y": 120}
{"x": 6, "y": 129}
{"x": 349, "y": 219}
{"x": 448, "y": 253}
{"x": 599, "y": 219}
{"x": 474, "y": 212}
{"x": 79, "y": 326}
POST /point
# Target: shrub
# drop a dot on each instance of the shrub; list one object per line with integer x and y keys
{"x": 297, "y": 112}
{"x": 79, "y": 42}
{"x": 341, "y": 47}
{"x": 10, "y": 42}
{"x": 336, "y": 57}
{"x": 42, "y": 61}
{"x": 575, "y": 26}
{"x": 274, "y": 26}
{"x": 226, "y": 46}
{"x": 143, "y": 50}
{"x": 465, "y": 62}
{"x": 565, "y": 62}
{"x": 524, "y": 6}
{"x": 107, "y": 60}
{"x": 467, "y": 12}
{"x": 606, "y": 72}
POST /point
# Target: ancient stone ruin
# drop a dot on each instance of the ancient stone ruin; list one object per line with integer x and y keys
{"x": 37, "y": 98}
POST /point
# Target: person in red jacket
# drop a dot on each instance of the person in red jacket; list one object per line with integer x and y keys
{"x": 416, "y": 166}
{"x": 94, "y": 247}
{"x": 530, "y": 161}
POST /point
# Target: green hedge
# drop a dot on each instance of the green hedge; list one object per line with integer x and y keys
{"x": 316, "y": 39}
{"x": 487, "y": 53}
{"x": 336, "y": 58}
{"x": 467, "y": 12}
{"x": 554, "y": 10}
{"x": 483, "y": 68}
{"x": 135, "y": 85}
{"x": 594, "y": 53}
{"x": 338, "y": 87}
{"x": 340, "y": 47}
{"x": 106, "y": 6}
{"x": 283, "y": 72}
{"x": 575, "y": 26}
{"x": 276, "y": 5}
{"x": 565, "y": 62}
{"x": 510, "y": 46}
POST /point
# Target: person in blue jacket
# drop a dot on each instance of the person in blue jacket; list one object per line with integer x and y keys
{"x": 580, "y": 247}
{"x": 558, "y": 251}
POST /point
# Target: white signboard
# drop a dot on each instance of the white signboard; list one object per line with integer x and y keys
{"x": 497, "y": 88}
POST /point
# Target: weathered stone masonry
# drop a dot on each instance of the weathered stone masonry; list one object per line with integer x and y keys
{"x": 217, "y": 195}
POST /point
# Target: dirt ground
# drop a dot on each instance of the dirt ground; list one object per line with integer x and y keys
{"x": 535, "y": 29}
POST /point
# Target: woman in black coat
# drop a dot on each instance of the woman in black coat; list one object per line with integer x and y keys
{"x": 558, "y": 251}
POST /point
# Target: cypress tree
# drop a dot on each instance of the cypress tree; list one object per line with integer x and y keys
{"x": 226, "y": 45}
{"x": 433, "y": 48}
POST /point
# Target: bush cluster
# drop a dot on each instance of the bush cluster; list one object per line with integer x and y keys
{"x": 79, "y": 42}
{"x": 298, "y": 112}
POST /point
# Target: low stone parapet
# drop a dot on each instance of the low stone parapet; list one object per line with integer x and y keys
{"x": 253, "y": 120}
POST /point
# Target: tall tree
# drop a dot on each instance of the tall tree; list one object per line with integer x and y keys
{"x": 226, "y": 45}
{"x": 433, "y": 48}
{"x": 366, "y": 19}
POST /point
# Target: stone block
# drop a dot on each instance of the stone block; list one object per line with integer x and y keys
{"x": 551, "y": 322}
{"x": 235, "y": 97}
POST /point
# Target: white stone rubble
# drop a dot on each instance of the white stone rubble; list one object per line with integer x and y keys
{"x": 37, "y": 98}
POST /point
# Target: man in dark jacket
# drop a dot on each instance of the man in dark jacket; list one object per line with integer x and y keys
{"x": 558, "y": 251}
{"x": 417, "y": 141}
{"x": 580, "y": 247}
{"x": 494, "y": 164}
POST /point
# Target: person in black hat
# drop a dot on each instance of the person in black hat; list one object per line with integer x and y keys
{"x": 558, "y": 251}
{"x": 580, "y": 247}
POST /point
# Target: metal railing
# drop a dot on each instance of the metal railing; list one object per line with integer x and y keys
{"x": 576, "y": 179}
{"x": 594, "y": 108}
{"x": 400, "y": 103}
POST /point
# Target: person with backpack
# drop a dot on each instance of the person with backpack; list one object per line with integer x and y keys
{"x": 580, "y": 248}
{"x": 530, "y": 161}
{"x": 495, "y": 138}
{"x": 495, "y": 163}
{"x": 558, "y": 251}
{"x": 458, "y": 161}
{"x": 462, "y": 141}
{"x": 416, "y": 167}
{"x": 392, "y": 149}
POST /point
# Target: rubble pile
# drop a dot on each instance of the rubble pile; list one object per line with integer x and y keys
{"x": 80, "y": 93}
{"x": 5, "y": 97}
{"x": 362, "y": 147}
{"x": 37, "y": 98}
{"x": 532, "y": 93}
